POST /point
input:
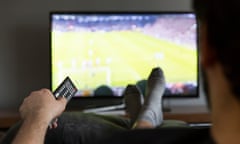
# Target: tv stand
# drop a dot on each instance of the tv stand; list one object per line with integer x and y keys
{"x": 166, "y": 107}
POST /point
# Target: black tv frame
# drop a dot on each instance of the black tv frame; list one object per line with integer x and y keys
{"x": 119, "y": 99}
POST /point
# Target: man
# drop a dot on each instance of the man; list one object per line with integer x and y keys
{"x": 219, "y": 45}
{"x": 40, "y": 108}
{"x": 219, "y": 41}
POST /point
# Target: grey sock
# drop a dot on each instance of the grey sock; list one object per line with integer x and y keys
{"x": 152, "y": 108}
{"x": 133, "y": 100}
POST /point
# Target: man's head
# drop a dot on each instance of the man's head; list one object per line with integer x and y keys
{"x": 220, "y": 25}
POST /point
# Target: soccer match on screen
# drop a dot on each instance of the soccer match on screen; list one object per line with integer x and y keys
{"x": 120, "y": 49}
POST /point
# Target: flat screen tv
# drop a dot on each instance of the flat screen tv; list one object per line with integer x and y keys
{"x": 113, "y": 49}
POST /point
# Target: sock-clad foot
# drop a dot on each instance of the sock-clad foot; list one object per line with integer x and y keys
{"x": 133, "y": 100}
{"x": 151, "y": 111}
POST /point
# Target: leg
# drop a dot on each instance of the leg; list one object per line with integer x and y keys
{"x": 77, "y": 127}
{"x": 82, "y": 128}
{"x": 149, "y": 114}
{"x": 133, "y": 100}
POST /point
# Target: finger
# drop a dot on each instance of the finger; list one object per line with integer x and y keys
{"x": 55, "y": 125}
{"x": 45, "y": 90}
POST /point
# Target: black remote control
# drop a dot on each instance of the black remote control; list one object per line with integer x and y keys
{"x": 66, "y": 89}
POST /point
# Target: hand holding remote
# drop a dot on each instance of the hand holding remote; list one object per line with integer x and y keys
{"x": 37, "y": 111}
{"x": 65, "y": 90}
{"x": 40, "y": 105}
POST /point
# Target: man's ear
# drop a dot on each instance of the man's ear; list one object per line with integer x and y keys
{"x": 207, "y": 54}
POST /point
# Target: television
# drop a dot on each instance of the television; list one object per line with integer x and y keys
{"x": 113, "y": 49}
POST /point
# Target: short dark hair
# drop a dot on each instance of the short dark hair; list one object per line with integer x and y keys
{"x": 222, "y": 19}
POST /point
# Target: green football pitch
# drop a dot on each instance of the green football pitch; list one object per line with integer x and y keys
{"x": 117, "y": 58}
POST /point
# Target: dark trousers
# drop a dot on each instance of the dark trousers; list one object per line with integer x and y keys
{"x": 79, "y": 128}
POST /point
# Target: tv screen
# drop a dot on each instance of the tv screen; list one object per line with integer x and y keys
{"x": 114, "y": 49}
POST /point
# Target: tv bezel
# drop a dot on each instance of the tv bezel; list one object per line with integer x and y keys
{"x": 175, "y": 96}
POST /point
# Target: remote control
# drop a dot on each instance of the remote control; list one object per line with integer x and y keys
{"x": 66, "y": 89}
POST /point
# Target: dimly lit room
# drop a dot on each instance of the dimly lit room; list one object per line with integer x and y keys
{"x": 103, "y": 47}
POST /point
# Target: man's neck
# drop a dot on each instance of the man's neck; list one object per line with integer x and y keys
{"x": 225, "y": 109}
